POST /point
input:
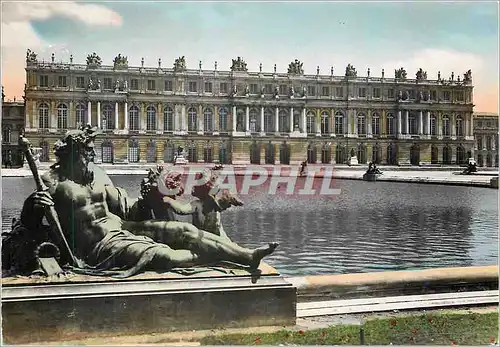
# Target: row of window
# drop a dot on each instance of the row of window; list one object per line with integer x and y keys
{"x": 339, "y": 126}
{"x": 489, "y": 142}
{"x": 283, "y": 89}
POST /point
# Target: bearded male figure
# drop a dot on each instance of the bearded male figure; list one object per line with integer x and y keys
{"x": 104, "y": 228}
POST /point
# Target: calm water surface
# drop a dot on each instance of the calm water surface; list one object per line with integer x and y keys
{"x": 368, "y": 227}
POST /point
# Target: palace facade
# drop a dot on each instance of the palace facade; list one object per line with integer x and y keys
{"x": 486, "y": 135}
{"x": 12, "y": 125}
{"x": 238, "y": 116}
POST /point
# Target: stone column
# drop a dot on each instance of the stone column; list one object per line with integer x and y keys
{"x": 407, "y": 124}
{"x": 89, "y": 113}
{"x": 453, "y": 124}
{"x": 399, "y": 122}
{"x": 247, "y": 119}
{"x": 52, "y": 114}
{"x": 99, "y": 125}
{"x": 116, "y": 116}
{"x": 304, "y": 121}
{"x": 216, "y": 118}
{"x": 421, "y": 123}
{"x": 183, "y": 121}
{"x": 125, "y": 120}
{"x": 439, "y": 125}
{"x": 347, "y": 122}
{"x": 355, "y": 121}
{"x": 291, "y": 119}
{"x": 318, "y": 122}
{"x": 71, "y": 116}
{"x": 201, "y": 119}
{"x": 142, "y": 116}
{"x": 35, "y": 116}
{"x": 383, "y": 123}
{"x": 233, "y": 116}
{"x": 428, "y": 132}
{"x": 160, "y": 118}
{"x": 276, "y": 120}
{"x": 262, "y": 119}
{"x": 369, "y": 129}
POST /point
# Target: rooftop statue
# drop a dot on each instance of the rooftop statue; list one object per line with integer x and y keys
{"x": 93, "y": 60}
{"x": 350, "y": 71}
{"x": 101, "y": 231}
{"x": 295, "y": 67}
{"x": 120, "y": 61}
{"x": 238, "y": 65}
{"x": 180, "y": 64}
{"x": 468, "y": 76}
{"x": 400, "y": 73}
{"x": 31, "y": 56}
{"x": 421, "y": 75}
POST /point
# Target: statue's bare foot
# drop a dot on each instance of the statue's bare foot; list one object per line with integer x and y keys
{"x": 261, "y": 252}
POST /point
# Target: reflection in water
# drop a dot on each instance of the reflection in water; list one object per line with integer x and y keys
{"x": 369, "y": 227}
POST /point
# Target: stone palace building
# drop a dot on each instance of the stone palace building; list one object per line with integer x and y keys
{"x": 486, "y": 134}
{"x": 239, "y": 116}
{"x": 12, "y": 125}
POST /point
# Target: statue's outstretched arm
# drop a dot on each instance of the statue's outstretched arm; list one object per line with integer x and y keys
{"x": 179, "y": 207}
{"x": 124, "y": 206}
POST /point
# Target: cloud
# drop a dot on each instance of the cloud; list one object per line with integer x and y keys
{"x": 433, "y": 60}
{"x": 18, "y": 34}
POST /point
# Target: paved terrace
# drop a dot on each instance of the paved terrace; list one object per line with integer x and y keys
{"x": 433, "y": 175}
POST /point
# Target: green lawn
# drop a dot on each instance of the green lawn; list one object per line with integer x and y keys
{"x": 422, "y": 329}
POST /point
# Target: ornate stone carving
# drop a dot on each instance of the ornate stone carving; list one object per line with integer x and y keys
{"x": 350, "y": 71}
{"x": 121, "y": 86}
{"x": 120, "y": 61}
{"x": 93, "y": 60}
{"x": 31, "y": 56}
{"x": 400, "y": 73}
{"x": 295, "y": 68}
{"x": 304, "y": 92}
{"x": 247, "y": 90}
{"x": 180, "y": 64}
{"x": 421, "y": 75}
{"x": 94, "y": 84}
{"x": 468, "y": 76}
{"x": 292, "y": 92}
{"x": 239, "y": 65}
{"x": 403, "y": 95}
{"x": 276, "y": 92}
{"x": 262, "y": 92}
{"x": 234, "y": 92}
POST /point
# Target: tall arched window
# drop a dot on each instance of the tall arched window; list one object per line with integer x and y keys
{"x": 107, "y": 152}
{"x": 413, "y": 124}
{"x": 208, "y": 120}
{"x": 479, "y": 141}
{"x": 192, "y": 120}
{"x": 311, "y": 123}
{"x": 447, "y": 154}
{"x": 446, "y": 126}
{"x": 361, "y": 124}
{"x": 133, "y": 118}
{"x": 222, "y": 119}
{"x": 390, "y": 124}
{"x": 362, "y": 153}
{"x": 254, "y": 120}
{"x": 461, "y": 158}
{"x": 339, "y": 123}
{"x": 108, "y": 119}
{"x": 375, "y": 124}
{"x": 44, "y": 156}
{"x": 192, "y": 153}
{"x": 433, "y": 130}
{"x": 133, "y": 151}
{"x": 325, "y": 123}
{"x": 168, "y": 152}
{"x": 80, "y": 115}
{"x": 6, "y": 134}
{"x": 62, "y": 116}
{"x": 151, "y": 151}
{"x": 151, "y": 118}
{"x": 268, "y": 121}
{"x": 223, "y": 155}
{"x": 208, "y": 152}
{"x": 43, "y": 116}
{"x": 284, "y": 120}
{"x": 168, "y": 119}
{"x": 459, "y": 126}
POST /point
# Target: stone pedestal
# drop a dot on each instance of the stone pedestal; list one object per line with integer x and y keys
{"x": 353, "y": 161}
{"x": 43, "y": 312}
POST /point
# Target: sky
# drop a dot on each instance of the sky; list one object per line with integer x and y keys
{"x": 447, "y": 37}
